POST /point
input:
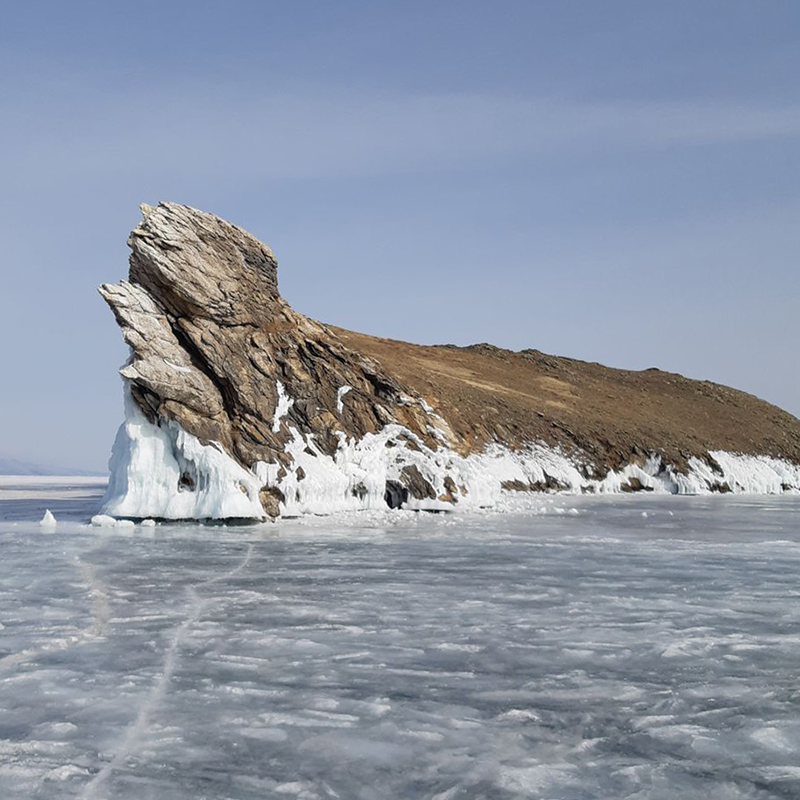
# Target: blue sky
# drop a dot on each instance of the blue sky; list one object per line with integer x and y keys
{"x": 613, "y": 181}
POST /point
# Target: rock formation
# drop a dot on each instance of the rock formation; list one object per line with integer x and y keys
{"x": 238, "y": 406}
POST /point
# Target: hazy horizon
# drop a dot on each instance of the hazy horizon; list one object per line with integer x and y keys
{"x": 612, "y": 182}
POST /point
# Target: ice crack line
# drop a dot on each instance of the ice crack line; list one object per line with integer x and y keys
{"x": 101, "y": 613}
{"x": 101, "y": 609}
{"x": 136, "y": 731}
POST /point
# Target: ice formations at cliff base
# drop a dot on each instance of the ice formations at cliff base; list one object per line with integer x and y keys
{"x": 161, "y": 471}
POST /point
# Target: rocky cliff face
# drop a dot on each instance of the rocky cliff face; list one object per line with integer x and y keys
{"x": 236, "y": 405}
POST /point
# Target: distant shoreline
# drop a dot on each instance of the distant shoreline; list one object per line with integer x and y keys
{"x": 28, "y": 480}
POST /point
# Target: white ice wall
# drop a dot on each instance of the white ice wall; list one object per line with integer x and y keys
{"x": 146, "y": 465}
{"x": 148, "y": 460}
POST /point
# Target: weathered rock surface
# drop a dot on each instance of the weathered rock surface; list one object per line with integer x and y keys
{"x": 211, "y": 338}
{"x": 218, "y": 353}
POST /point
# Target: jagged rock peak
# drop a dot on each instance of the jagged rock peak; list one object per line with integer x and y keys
{"x": 200, "y": 265}
{"x": 216, "y": 350}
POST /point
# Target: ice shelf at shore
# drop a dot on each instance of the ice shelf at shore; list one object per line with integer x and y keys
{"x": 161, "y": 471}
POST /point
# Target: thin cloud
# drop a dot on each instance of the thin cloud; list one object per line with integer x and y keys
{"x": 249, "y": 133}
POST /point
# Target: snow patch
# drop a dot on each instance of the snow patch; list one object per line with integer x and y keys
{"x": 745, "y": 474}
{"x": 282, "y": 408}
{"x": 178, "y": 367}
{"x": 357, "y": 475}
{"x": 343, "y": 390}
{"x": 427, "y": 408}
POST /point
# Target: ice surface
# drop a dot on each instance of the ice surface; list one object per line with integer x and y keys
{"x": 592, "y": 653}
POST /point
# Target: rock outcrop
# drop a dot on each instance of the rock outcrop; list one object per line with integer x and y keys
{"x": 237, "y": 405}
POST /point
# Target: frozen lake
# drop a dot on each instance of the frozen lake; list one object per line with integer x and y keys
{"x": 643, "y": 647}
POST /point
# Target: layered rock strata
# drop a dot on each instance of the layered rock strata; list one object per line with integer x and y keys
{"x": 237, "y": 406}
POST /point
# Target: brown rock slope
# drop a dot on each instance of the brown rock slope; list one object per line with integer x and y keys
{"x": 214, "y": 346}
{"x": 616, "y": 416}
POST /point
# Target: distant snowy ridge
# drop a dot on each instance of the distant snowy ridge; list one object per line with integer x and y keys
{"x": 161, "y": 471}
